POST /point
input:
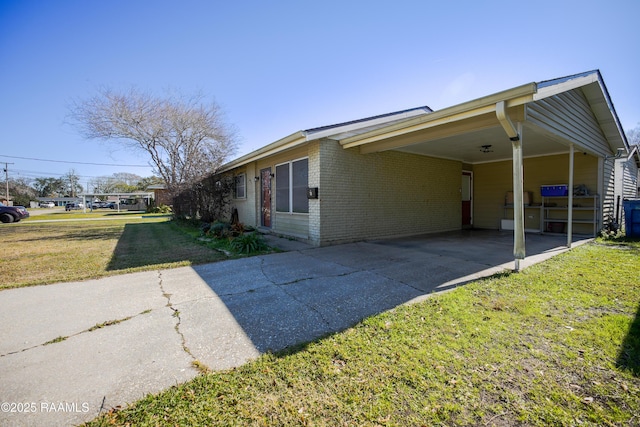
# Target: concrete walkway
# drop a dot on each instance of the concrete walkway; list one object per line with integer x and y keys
{"x": 71, "y": 350}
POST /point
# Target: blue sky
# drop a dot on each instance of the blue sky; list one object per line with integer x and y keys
{"x": 281, "y": 66}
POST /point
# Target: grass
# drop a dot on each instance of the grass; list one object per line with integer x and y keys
{"x": 557, "y": 344}
{"x": 50, "y": 252}
{"x": 59, "y": 214}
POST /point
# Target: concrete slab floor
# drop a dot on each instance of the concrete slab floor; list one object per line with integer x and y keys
{"x": 85, "y": 347}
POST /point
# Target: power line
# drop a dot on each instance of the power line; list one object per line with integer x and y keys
{"x": 37, "y": 174}
{"x": 77, "y": 163}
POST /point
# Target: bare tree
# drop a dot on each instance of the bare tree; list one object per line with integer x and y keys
{"x": 633, "y": 135}
{"x": 127, "y": 178}
{"x": 71, "y": 182}
{"x": 186, "y": 138}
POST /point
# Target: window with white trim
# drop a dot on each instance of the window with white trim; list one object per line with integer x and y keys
{"x": 292, "y": 180}
{"x": 239, "y": 186}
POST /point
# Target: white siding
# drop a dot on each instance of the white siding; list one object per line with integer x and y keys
{"x": 629, "y": 179}
{"x": 569, "y": 116}
{"x": 246, "y": 206}
{"x": 609, "y": 190}
{"x": 295, "y": 225}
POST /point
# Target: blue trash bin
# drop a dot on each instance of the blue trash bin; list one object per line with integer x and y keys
{"x": 631, "y": 217}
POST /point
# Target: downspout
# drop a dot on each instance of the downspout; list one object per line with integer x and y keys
{"x": 518, "y": 198}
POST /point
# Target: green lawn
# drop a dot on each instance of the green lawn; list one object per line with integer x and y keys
{"x": 39, "y": 253}
{"x": 557, "y": 344}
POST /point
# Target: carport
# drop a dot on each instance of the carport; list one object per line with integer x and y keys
{"x": 569, "y": 116}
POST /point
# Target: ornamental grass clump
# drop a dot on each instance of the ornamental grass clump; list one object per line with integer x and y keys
{"x": 248, "y": 243}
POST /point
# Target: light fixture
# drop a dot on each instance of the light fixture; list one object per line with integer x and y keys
{"x": 256, "y": 179}
{"x": 486, "y": 148}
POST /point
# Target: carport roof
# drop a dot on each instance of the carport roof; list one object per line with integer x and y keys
{"x": 459, "y": 132}
{"x": 335, "y": 131}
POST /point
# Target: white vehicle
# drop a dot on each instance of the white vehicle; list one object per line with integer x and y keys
{"x": 47, "y": 205}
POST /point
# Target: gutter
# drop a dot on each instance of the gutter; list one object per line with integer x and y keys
{"x": 285, "y": 143}
{"x": 512, "y": 97}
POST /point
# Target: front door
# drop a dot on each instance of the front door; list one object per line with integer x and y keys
{"x": 265, "y": 197}
{"x": 466, "y": 191}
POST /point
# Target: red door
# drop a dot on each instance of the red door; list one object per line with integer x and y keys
{"x": 466, "y": 191}
{"x": 265, "y": 197}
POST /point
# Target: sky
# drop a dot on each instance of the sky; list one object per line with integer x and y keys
{"x": 277, "y": 67}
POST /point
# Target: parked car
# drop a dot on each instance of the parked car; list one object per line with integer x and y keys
{"x": 47, "y": 205}
{"x": 12, "y": 213}
{"x": 73, "y": 206}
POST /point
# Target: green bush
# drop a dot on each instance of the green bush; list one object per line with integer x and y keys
{"x": 162, "y": 209}
{"x": 248, "y": 243}
{"x": 220, "y": 229}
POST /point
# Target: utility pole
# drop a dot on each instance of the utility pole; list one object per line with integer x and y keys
{"x": 6, "y": 177}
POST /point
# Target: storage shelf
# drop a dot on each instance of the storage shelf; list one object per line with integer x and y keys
{"x": 559, "y": 214}
{"x": 564, "y": 208}
{"x": 575, "y": 221}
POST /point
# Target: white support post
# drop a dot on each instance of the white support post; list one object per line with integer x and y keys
{"x": 515, "y": 135}
{"x": 570, "y": 198}
{"x": 519, "y": 250}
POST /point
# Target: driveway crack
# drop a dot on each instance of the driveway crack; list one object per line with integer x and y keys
{"x": 91, "y": 329}
{"x": 176, "y": 314}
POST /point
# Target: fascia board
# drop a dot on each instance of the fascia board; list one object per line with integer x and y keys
{"x": 328, "y": 133}
{"x": 513, "y": 97}
{"x": 285, "y": 143}
{"x": 554, "y": 89}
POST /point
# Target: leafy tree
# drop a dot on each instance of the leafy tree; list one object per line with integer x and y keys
{"x": 186, "y": 137}
{"x": 49, "y": 187}
{"x": 21, "y": 191}
{"x": 145, "y": 183}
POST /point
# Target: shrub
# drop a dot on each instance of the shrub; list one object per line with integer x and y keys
{"x": 220, "y": 229}
{"x": 248, "y": 243}
{"x": 162, "y": 209}
{"x": 205, "y": 227}
{"x": 237, "y": 229}
{"x": 611, "y": 230}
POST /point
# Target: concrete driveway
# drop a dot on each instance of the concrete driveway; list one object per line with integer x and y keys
{"x": 71, "y": 350}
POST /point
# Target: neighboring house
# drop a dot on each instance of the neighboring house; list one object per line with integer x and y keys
{"x": 627, "y": 175}
{"x": 60, "y": 201}
{"x": 161, "y": 195}
{"x": 422, "y": 171}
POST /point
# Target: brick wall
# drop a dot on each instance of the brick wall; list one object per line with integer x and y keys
{"x": 381, "y": 194}
{"x": 162, "y": 197}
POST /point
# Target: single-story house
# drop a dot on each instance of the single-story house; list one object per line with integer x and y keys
{"x": 501, "y": 161}
{"x": 161, "y": 195}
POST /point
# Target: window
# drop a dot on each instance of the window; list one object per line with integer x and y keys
{"x": 239, "y": 186}
{"x": 282, "y": 188}
{"x": 292, "y": 179}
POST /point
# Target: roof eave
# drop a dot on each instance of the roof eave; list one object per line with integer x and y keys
{"x": 285, "y": 143}
{"x": 513, "y": 97}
